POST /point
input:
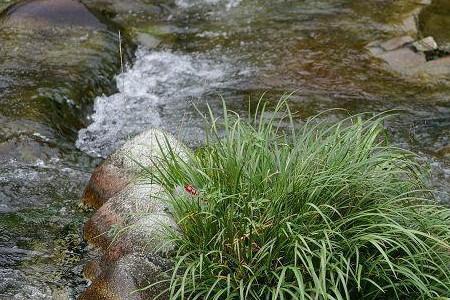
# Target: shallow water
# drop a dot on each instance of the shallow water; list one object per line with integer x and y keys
{"x": 235, "y": 49}
{"x": 242, "y": 49}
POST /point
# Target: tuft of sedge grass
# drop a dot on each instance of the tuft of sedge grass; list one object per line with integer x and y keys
{"x": 313, "y": 212}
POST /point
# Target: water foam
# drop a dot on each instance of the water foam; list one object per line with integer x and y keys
{"x": 151, "y": 93}
{"x": 229, "y": 4}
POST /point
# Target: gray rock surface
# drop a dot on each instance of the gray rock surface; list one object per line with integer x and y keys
{"x": 439, "y": 67}
{"x": 403, "y": 60}
{"x": 408, "y": 57}
{"x": 146, "y": 150}
{"x": 396, "y": 42}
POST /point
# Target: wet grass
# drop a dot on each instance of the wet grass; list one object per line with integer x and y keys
{"x": 317, "y": 212}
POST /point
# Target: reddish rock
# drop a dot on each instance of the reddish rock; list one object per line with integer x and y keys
{"x": 139, "y": 212}
{"x": 149, "y": 234}
{"x": 106, "y": 181}
{"x": 121, "y": 167}
{"x": 92, "y": 270}
{"x": 123, "y": 278}
{"x": 122, "y": 210}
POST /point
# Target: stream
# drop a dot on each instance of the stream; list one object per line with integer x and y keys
{"x": 62, "y": 111}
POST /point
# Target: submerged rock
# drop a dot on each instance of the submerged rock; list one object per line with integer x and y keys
{"x": 55, "y": 56}
{"x": 136, "y": 17}
{"x": 403, "y": 60}
{"x": 15, "y": 285}
{"x": 50, "y": 13}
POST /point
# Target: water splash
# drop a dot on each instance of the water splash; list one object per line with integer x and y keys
{"x": 228, "y": 4}
{"x": 159, "y": 81}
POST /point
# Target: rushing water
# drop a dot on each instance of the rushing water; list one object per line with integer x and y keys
{"x": 242, "y": 49}
{"x": 155, "y": 92}
{"x": 235, "y": 49}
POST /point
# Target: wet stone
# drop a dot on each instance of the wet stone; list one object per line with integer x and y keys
{"x": 122, "y": 278}
{"x": 403, "y": 60}
{"x": 135, "y": 16}
{"x": 50, "y": 13}
{"x": 426, "y": 44}
{"x": 396, "y": 42}
{"x": 55, "y": 57}
{"x": 124, "y": 165}
{"x": 122, "y": 210}
{"x": 15, "y": 285}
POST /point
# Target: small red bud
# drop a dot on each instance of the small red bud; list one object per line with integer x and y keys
{"x": 190, "y": 189}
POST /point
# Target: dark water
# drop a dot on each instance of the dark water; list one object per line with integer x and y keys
{"x": 207, "y": 49}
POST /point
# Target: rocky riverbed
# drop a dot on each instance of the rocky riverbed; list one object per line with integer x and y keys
{"x": 69, "y": 99}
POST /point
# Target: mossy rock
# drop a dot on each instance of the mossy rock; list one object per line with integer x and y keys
{"x": 56, "y": 56}
{"x": 434, "y": 21}
{"x": 137, "y": 17}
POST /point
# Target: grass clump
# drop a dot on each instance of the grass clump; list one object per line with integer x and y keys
{"x": 319, "y": 212}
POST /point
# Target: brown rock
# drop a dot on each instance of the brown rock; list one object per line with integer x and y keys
{"x": 150, "y": 234}
{"x": 106, "y": 181}
{"x": 123, "y": 278}
{"x": 444, "y": 151}
{"x": 121, "y": 167}
{"x": 122, "y": 210}
{"x": 92, "y": 270}
{"x": 140, "y": 212}
{"x": 51, "y": 12}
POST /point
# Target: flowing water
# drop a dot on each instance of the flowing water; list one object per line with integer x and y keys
{"x": 237, "y": 50}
